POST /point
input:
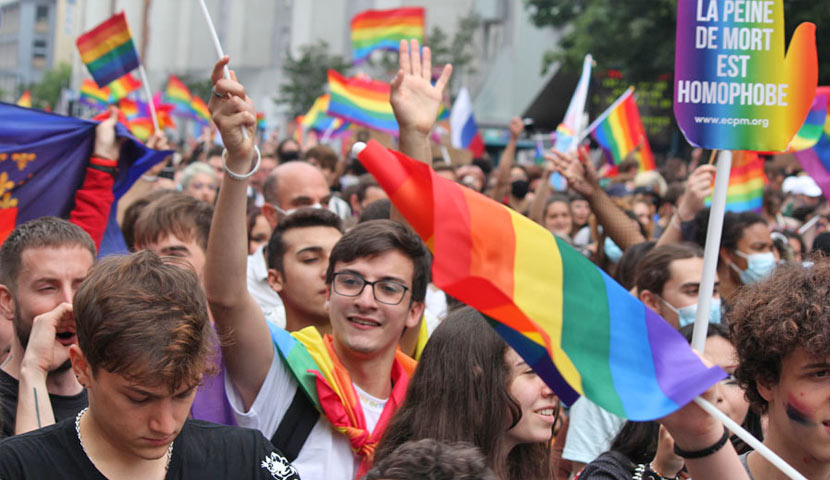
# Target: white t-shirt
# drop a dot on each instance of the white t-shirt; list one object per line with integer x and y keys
{"x": 590, "y": 431}
{"x": 326, "y": 454}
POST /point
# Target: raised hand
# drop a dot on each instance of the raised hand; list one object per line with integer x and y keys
{"x": 581, "y": 175}
{"x": 698, "y": 187}
{"x": 232, "y": 110}
{"x": 43, "y": 352}
{"x": 415, "y": 101}
{"x": 516, "y": 127}
{"x": 107, "y": 145}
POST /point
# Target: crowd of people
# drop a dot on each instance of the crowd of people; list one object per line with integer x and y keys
{"x": 190, "y": 356}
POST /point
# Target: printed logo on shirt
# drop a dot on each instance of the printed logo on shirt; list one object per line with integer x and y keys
{"x": 279, "y": 467}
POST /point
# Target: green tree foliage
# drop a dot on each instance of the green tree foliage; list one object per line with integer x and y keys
{"x": 307, "y": 74}
{"x": 47, "y": 92}
{"x": 638, "y": 36}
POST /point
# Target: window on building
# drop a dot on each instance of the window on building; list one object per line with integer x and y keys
{"x": 39, "y": 61}
{"x": 42, "y": 18}
{"x": 39, "y": 43}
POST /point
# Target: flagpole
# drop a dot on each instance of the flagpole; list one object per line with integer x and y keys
{"x": 712, "y": 250}
{"x": 218, "y": 47}
{"x": 327, "y": 133}
{"x": 147, "y": 91}
{"x": 604, "y": 115}
{"x": 747, "y": 437}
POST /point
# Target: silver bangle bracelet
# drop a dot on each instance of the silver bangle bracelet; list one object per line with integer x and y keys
{"x": 237, "y": 176}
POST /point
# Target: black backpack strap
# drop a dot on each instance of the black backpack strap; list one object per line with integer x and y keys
{"x": 296, "y": 426}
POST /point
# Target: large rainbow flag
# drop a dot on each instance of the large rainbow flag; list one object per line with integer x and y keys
{"x": 577, "y": 328}
{"x": 384, "y": 29}
{"x": 108, "y": 50}
{"x": 363, "y": 101}
{"x": 746, "y": 183}
{"x": 622, "y": 132}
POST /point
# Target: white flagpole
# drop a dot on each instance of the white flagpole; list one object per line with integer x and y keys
{"x": 712, "y": 250}
{"x": 218, "y": 47}
{"x": 147, "y": 91}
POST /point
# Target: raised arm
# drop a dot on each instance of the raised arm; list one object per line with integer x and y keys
{"x": 582, "y": 177}
{"x": 698, "y": 187}
{"x": 537, "y": 206}
{"x": 247, "y": 348}
{"x": 507, "y": 160}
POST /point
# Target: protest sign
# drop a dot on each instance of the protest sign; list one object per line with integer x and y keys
{"x": 734, "y": 87}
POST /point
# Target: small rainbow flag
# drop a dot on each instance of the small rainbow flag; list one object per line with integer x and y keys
{"x": 122, "y": 87}
{"x": 178, "y": 94}
{"x": 316, "y": 118}
{"x": 362, "y": 101}
{"x": 142, "y": 127}
{"x": 746, "y": 183}
{"x": 108, "y": 50}
{"x": 815, "y": 123}
{"x": 384, "y": 29}
{"x": 622, "y": 132}
{"x": 132, "y": 109}
{"x": 576, "y": 327}
{"x": 260, "y": 121}
{"x": 25, "y": 100}
{"x": 200, "y": 109}
{"x": 94, "y": 96}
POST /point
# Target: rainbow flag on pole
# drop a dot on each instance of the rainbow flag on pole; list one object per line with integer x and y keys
{"x": 178, "y": 94}
{"x": 815, "y": 160}
{"x": 746, "y": 183}
{"x": 122, "y": 87}
{"x": 622, "y": 132}
{"x": 200, "y": 109}
{"x": 108, "y": 50}
{"x": 577, "y": 328}
{"x": 363, "y": 101}
{"x": 94, "y": 96}
{"x": 384, "y": 29}
{"x": 815, "y": 123}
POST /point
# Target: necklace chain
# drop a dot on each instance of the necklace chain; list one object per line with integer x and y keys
{"x": 80, "y": 439}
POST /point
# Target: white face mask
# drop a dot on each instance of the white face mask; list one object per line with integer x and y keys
{"x": 758, "y": 266}
{"x": 688, "y": 314}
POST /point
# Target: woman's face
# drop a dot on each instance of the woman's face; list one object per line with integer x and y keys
{"x": 202, "y": 187}
{"x": 581, "y": 210}
{"x": 558, "y": 218}
{"x": 536, "y": 399}
{"x": 730, "y": 396}
{"x": 260, "y": 234}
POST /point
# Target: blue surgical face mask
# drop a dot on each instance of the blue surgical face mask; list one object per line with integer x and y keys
{"x": 612, "y": 251}
{"x": 688, "y": 314}
{"x": 758, "y": 266}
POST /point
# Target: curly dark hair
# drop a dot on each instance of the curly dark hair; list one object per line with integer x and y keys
{"x": 769, "y": 320}
{"x": 429, "y": 459}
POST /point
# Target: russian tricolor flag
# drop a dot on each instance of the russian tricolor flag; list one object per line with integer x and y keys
{"x": 463, "y": 130}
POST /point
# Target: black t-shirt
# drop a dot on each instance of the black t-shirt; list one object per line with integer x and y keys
{"x": 608, "y": 466}
{"x": 62, "y": 406}
{"x": 201, "y": 451}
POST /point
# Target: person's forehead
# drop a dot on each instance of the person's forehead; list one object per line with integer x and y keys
{"x": 171, "y": 240}
{"x": 757, "y": 232}
{"x": 54, "y": 260}
{"x": 685, "y": 270}
{"x": 300, "y": 238}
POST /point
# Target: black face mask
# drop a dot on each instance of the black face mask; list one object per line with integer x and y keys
{"x": 289, "y": 156}
{"x": 519, "y": 188}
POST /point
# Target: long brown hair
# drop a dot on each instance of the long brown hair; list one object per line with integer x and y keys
{"x": 459, "y": 393}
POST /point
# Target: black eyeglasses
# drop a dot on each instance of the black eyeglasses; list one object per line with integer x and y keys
{"x": 351, "y": 284}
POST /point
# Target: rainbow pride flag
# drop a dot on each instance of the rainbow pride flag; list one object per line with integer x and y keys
{"x": 132, "y": 108}
{"x": 142, "y": 127}
{"x": 94, "y": 96}
{"x": 815, "y": 123}
{"x": 577, "y": 328}
{"x": 384, "y": 29}
{"x": 816, "y": 159}
{"x": 746, "y": 183}
{"x": 362, "y": 101}
{"x": 122, "y": 87}
{"x": 178, "y": 94}
{"x": 200, "y": 109}
{"x": 622, "y": 132}
{"x": 108, "y": 50}
{"x": 260, "y": 121}
{"x": 25, "y": 99}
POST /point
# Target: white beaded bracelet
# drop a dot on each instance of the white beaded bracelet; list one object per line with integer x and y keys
{"x": 237, "y": 176}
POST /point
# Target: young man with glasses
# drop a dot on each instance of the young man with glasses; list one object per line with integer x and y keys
{"x": 366, "y": 322}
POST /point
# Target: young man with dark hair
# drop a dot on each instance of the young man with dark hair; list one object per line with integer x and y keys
{"x": 298, "y": 256}
{"x": 44, "y": 261}
{"x": 175, "y": 225}
{"x": 377, "y": 275}
{"x": 144, "y": 344}
{"x": 429, "y": 459}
